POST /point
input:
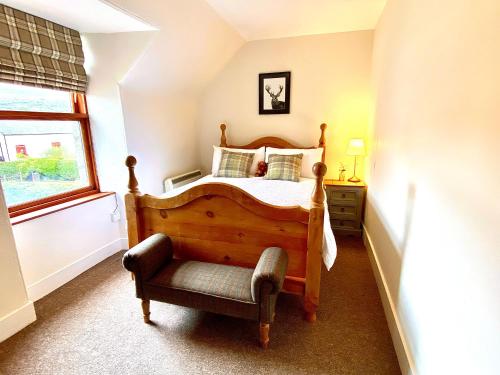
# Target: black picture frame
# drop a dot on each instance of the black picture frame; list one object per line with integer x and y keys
{"x": 269, "y": 103}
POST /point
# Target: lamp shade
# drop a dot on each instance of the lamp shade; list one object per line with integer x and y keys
{"x": 356, "y": 147}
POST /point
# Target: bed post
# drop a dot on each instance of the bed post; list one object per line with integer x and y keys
{"x": 223, "y": 140}
{"x": 315, "y": 244}
{"x": 131, "y": 202}
{"x": 322, "y": 142}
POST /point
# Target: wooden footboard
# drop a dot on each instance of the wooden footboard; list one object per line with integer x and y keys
{"x": 221, "y": 223}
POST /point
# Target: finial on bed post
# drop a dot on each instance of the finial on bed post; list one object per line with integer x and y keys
{"x": 322, "y": 138}
{"x": 133, "y": 184}
{"x": 322, "y": 142}
{"x": 319, "y": 170}
{"x": 223, "y": 140}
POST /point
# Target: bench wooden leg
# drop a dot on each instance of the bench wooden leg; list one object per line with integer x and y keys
{"x": 264, "y": 335}
{"x": 310, "y": 313}
{"x": 145, "y": 310}
{"x": 310, "y": 316}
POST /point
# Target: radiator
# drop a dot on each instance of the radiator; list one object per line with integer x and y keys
{"x": 171, "y": 183}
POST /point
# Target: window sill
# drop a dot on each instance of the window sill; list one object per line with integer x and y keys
{"x": 59, "y": 207}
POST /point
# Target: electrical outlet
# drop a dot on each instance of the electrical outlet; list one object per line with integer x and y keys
{"x": 115, "y": 216}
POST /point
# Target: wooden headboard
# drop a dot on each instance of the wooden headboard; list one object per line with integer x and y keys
{"x": 275, "y": 142}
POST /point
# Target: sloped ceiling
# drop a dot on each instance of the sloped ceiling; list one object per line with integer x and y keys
{"x": 86, "y": 16}
{"x": 265, "y": 19}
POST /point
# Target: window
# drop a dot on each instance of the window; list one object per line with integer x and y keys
{"x": 45, "y": 148}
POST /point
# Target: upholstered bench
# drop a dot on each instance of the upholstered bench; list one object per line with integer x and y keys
{"x": 222, "y": 289}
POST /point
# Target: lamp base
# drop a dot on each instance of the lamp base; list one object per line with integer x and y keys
{"x": 354, "y": 179}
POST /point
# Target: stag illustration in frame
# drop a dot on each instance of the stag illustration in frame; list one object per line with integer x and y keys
{"x": 274, "y": 93}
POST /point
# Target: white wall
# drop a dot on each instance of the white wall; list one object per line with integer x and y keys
{"x": 330, "y": 82}
{"x": 108, "y": 58}
{"x": 433, "y": 204}
{"x": 16, "y": 311}
{"x": 160, "y": 93}
{"x": 54, "y": 249}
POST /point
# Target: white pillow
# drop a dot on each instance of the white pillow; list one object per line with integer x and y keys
{"x": 309, "y": 158}
{"x": 259, "y": 156}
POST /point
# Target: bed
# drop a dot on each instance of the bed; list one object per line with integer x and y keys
{"x": 232, "y": 220}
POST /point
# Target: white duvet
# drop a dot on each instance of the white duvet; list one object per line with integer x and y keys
{"x": 279, "y": 193}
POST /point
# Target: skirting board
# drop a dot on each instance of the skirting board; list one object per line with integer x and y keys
{"x": 17, "y": 320}
{"x": 55, "y": 280}
{"x": 405, "y": 357}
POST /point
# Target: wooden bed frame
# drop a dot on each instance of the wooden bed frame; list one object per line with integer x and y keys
{"x": 221, "y": 223}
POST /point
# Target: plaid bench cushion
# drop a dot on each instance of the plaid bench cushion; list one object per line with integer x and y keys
{"x": 208, "y": 278}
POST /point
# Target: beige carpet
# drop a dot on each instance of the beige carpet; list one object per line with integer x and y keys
{"x": 93, "y": 325}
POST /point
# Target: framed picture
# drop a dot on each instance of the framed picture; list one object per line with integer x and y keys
{"x": 274, "y": 93}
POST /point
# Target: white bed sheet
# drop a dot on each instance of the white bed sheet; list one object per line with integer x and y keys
{"x": 279, "y": 193}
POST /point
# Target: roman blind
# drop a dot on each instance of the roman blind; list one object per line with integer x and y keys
{"x": 37, "y": 52}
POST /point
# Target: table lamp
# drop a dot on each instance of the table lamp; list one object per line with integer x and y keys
{"x": 356, "y": 148}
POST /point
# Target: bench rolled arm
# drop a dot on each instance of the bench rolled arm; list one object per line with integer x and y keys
{"x": 269, "y": 273}
{"x": 147, "y": 257}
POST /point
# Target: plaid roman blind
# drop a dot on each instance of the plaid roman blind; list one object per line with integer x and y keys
{"x": 37, "y": 52}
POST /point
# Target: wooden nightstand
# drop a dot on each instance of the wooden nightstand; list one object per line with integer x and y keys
{"x": 345, "y": 205}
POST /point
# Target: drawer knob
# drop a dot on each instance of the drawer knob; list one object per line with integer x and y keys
{"x": 341, "y": 223}
{"x": 342, "y": 209}
{"x": 343, "y": 195}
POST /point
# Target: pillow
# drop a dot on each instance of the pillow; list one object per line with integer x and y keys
{"x": 310, "y": 157}
{"x": 259, "y": 156}
{"x": 284, "y": 167}
{"x": 235, "y": 164}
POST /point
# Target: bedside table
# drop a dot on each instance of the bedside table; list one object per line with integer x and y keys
{"x": 345, "y": 205}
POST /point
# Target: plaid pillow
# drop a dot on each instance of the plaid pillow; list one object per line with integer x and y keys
{"x": 235, "y": 164}
{"x": 284, "y": 167}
